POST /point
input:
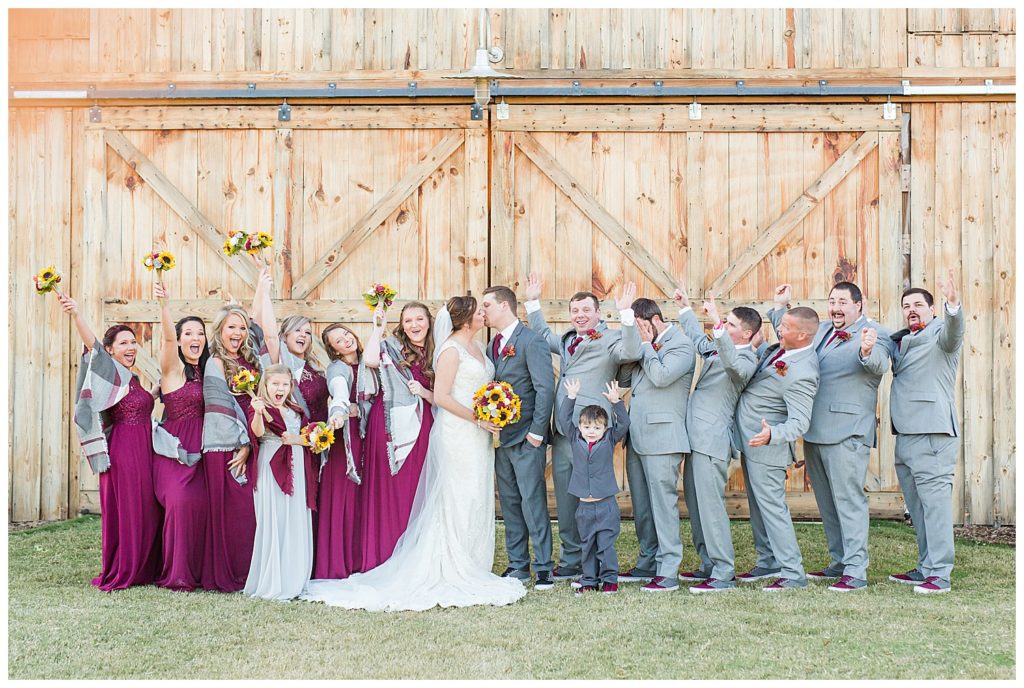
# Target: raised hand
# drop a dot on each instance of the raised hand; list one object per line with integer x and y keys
{"x": 259, "y": 405}
{"x": 868, "y": 337}
{"x": 756, "y": 341}
{"x": 612, "y": 392}
{"x": 380, "y": 316}
{"x": 69, "y": 305}
{"x": 626, "y": 296}
{"x": 534, "y": 285}
{"x": 681, "y": 299}
{"x": 783, "y": 295}
{"x": 160, "y": 291}
{"x": 712, "y": 310}
{"x": 572, "y": 387}
{"x": 646, "y": 330}
{"x": 949, "y": 289}
{"x": 762, "y": 438}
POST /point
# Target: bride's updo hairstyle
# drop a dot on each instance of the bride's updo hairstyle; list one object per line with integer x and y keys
{"x": 461, "y": 309}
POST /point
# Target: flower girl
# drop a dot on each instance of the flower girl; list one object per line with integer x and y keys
{"x": 285, "y": 495}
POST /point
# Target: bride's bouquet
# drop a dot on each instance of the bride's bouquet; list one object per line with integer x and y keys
{"x": 495, "y": 402}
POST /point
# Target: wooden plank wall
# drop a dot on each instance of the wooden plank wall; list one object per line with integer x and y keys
{"x": 962, "y": 171}
{"x": 193, "y": 42}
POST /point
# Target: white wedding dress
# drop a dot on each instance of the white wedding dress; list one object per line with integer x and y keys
{"x": 444, "y": 558}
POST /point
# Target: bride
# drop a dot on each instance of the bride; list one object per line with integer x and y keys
{"x": 445, "y": 556}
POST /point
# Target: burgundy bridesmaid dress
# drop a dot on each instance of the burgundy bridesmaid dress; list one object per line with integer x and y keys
{"x": 337, "y": 553}
{"x": 130, "y": 523}
{"x": 313, "y": 387}
{"x": 181, "y": 490}
{"x": 387, "y": 499}
{"x": 232, "y": 526}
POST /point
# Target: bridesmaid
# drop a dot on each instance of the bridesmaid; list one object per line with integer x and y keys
{"x": 113, "y": 414}
{"x": 228, "y": 447}
{"x": 178, "y": 442}
{"x": 397, "y": 429}
{"x": 337, "y": 553}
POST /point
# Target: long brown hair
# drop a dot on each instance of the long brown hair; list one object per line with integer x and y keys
{"x": 217, "y": 347}
{"x": 331, "y": 353}
{"x": 410, "y": 353}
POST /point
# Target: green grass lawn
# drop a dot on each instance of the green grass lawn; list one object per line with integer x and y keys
{"x": 61, "y": 627}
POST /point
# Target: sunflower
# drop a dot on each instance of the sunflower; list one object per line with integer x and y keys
{"x": 502, "y": 417}
{"x": 265, "y": 240}
{"x": 47, "y": 274}
{"x": 165, "y": 260}
{"x": 494, "y": 396}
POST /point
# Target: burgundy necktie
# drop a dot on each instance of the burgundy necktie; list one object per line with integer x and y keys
{"x": 776, "y": 357}
{"x": 496, "y": 347}
{"x": 835, "y": 333}
{"x": 575, "y": 343}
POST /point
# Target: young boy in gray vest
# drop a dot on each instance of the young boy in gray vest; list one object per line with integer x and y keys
{"x": 593, "y": 483}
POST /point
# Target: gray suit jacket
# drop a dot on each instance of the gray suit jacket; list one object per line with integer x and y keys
{"x": 847, "y": 395}
{"x": 924, "y": 377}
{"x": 660, "y": 381}
{"x": 532, "y": 377}
{"x": 726, "y": 371}
{"x": 595, "y": 362}
{"x": 593, "y": 470}
{"x": 785, "y": 401}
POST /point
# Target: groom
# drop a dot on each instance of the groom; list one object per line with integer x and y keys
{"x": 522, "y": 359}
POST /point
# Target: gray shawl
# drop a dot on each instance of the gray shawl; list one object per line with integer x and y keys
{"x": 102, "y": 382}
{"x": 341, "y": 369}
{"x": 403, "y": 410}
{"x": 224, "y": 423}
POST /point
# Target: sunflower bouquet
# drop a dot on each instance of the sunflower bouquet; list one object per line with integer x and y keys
{"x": 317, "y": 436}
{"x": 379, "y": 292}
{"x": 161, "y": 261}
{"x": 235, "y": 243}
{"x": 245, "y": 381}
{"x": 46, "y": 280}
{"x": 496, "y": 403}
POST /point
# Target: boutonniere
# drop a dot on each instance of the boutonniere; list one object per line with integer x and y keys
{"x": 916, "y": 327}
{"x": 593, "y": 335}
{"x": 781, "y": 368}
{"x": 508, "y": 352}
{"x": 843, "y": 335}
{"x": 657, "y": 346}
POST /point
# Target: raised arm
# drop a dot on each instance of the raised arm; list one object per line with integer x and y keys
{"x": 371, "y": 351}
{"x": 170, "y": 364}
{"x": 952, "y": 336}
{"x": 263, "y": 314}
{"x": 85, "y": 331}
{"x": 874, "y": 356}
{"x": 535, "y": 314}
{"x": 782, "y": 296}
{"x": 627, "y": 348}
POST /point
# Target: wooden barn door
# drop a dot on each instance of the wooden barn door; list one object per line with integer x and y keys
{"x": 732, "y": 204}
{"x": 351, "y": 195}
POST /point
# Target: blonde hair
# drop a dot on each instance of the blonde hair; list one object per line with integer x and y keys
{"x": 216, "y": 344}
{"x": 293, "y": 323}
{"x": 277, "y": 369}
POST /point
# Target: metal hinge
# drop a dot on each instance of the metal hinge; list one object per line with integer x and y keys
{"x": 904, "y": 177}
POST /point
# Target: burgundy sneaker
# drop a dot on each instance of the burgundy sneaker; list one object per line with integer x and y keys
{"x": 824, "y": 574}
{"x": 585, "y": 589}
{"x": 911, "y": 577}
{"x": 848, "y": 584}
{"x": 783, "y": 584}
{"x": 757, "y": 573}
{"x": 713, "y": 585}
{"x": 692, "y": 576}
{"x": 660, "y": 584}
{"x": 933, "y": 585}
{"x": 633, "y": 576}
{"x": 609, "y": 588}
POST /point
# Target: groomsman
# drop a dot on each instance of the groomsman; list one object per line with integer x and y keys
{"x": 593, "y": 353}
{"x": 521, "y": 358}
{"x": 773, "y": 411}
{"x": 838, "y": 444}
{"x": 923, "y": 414}
{"x": 728, "y": 364}
{"x": 660, "y": 383}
